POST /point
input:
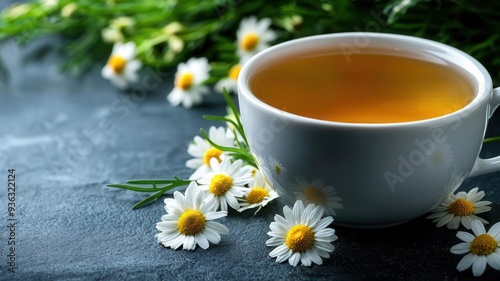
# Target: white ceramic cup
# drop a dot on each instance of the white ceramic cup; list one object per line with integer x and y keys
{"x": 369, "y": 175}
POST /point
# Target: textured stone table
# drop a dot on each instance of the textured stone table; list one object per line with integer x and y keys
{"x": 67, "y": 137}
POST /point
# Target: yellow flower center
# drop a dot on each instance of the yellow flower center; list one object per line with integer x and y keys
{"x": 277, "y": 169}
{"x": 461, "y": 207}
{"x": 117, "y": 63}
{"x": 220, "y": 184}
{"x": 234, "y": 72}
{"x": 315, "y": 195}
{"x": 483, "y": 245}
{"x": 254, "y": 171}
{"x": 300, "y": 238}
{"x": 256, "y": 195}
{"x": 184, "y": 80}
{"x": 249, "y": 42}
{"x": 211, "y": 153}
{"x": 191, "y": 222}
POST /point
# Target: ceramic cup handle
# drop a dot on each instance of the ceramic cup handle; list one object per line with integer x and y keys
{"x": 484, "y": 166}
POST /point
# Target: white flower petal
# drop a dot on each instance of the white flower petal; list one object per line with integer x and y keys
{"x": 326, "y": 235}
{"x": 212, "y": 235}
{"x": 466, "y": 262}
{"x": 325, "y": 246}
{"x": 294, "y": 259}
{"x": 275, "y": 241}
{"x": 479, "y": 266}
{"x": 466, "y": 221}
{"x": 314, "y": 256}
{"x": 461, "y": 248}
{"x": 215, "y": 215}
{"x": 189, "y": 243}
{"x": 218, "y": 227}
{"x": 279, "y": 251}
{"x": 477, "y": 228}
{"x": 305, "y": 260}
{"x": 284, "y": 256}
{"x": 494, "y": 260}
{"x": 177, "y": 242}
{"x": 202, "y": 241}
{"x": 494, "y": 231}
{"x": 465, "y": 236}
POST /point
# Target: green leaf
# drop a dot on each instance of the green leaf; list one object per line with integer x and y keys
{"x": 133, "y": 188}
{"x": 147, "y": 200}
{"x": 152, "y": 181}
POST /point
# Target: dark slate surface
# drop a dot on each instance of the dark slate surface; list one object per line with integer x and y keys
{"x": 67, "y": 137}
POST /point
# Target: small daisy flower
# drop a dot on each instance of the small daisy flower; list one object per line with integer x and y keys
{"x": 203, "y": 151}
{"x": 226, "y": 182}
{"x": 253, "y": 36}
{"x": 461, "y": 208}
{"x": 302, "y": 235}
{"x": 121, "y": 67}
{"x": 259, "y": 193}
{"x": 316, "y": 192}
{"x": 482, "y": 248}
{"x": 276, "y": 167}
{"x": 188, "y": 82}
{"x": 189, "y": 221}
{"x": 229, "y": 83}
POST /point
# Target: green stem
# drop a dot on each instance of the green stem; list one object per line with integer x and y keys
{"x": 492, "y": 139}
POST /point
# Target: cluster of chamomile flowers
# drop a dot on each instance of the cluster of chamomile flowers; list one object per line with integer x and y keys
{"x": 122, "y": 66}
{"x": 219, "y": 183}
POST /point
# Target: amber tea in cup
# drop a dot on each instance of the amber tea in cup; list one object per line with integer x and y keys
{"x": 373, "y": 86}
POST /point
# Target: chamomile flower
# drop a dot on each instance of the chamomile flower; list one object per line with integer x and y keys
{"x": 189, "y": 221}
{"x": 316, "y": 192}
{"x": 259, "y": 193}
{"x": 122, "y": 66}
{"x": 276, "y": 167}
{"x": 229, "y": 83}
{"x": 482, "y": 248}
{"x": 301, "y": 235}
{"x": 461, "y": 208}
{"x": 188, "y": 82}
{"x": 253, "y": 36}
{"x": 226, "y": 182}
{"x": 203, "y": 151}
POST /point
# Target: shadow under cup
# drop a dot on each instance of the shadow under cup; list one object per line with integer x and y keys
{"x": 368, "y": 174}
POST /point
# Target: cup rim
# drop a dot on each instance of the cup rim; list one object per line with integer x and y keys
{"x": 484, "y": 81}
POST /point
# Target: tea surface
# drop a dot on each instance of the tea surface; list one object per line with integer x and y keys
{"x": 362, "y": 88}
